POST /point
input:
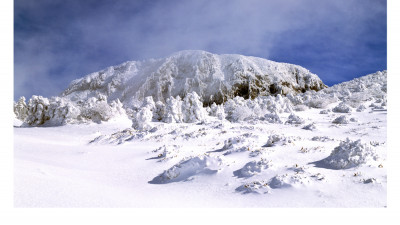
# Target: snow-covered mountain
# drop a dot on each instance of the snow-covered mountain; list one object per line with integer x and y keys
{"x": 144, "y": 134}
{"x": 215, "y": 78}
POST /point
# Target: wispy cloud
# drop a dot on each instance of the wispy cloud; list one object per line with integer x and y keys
{"x": 57, "y": 41}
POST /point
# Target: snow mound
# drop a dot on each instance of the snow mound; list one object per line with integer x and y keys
{"x": 119, "y": 137}
{"x": 166, "y": 152}
{"x": 215, "y": 78}
{"x": 252, "y": 168}
{"x": 310, "y": 126}
{"x": 255, "y": 187}
{"x": 272, "y": 118}
{"x": 238, "y": 144}
{"x": 350, "y": 154}
{"x": 341, "y": 120}
{"x": 289, "y": 180}
{"x": 296, "y": 178}
{"x": 279, "y": 139}
{"x": 342, "y": 108}
{"x": 187, "y": 169}
{"x": 294, "y": 119}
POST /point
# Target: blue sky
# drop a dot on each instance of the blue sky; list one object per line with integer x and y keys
{"x": 56, "y": 41}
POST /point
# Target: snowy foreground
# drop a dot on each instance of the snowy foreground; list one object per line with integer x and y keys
{"x": 291, "y": 154}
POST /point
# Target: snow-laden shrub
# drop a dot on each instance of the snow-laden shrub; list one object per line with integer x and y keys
{"x": 188, "y": 110}
{"x": 294, "y": 99}
{"x": 142, "y": 119}
{"x": 350, "y": 154}
{"x": 281, "y": 139}
{"x": 144, "y": 116}
{"x": 294, "y": 119}
{"x": 341, "y": 120}
{"x": 173, "y": 110}
{"x": 238, "y": 144}
{"x": 342, "y": 108}
{"x": 272, "y": 118}
{"x": 236, "y": 109}
{"x": 239, "y": 109}
{"x": 217, "y": 111}
{"x": 61, "y": 111}
{"x": 58, "y": 111}
{"x": 159, "y": 111}
{"x": 97, "y": 109}
{"x": 21, "y": 109}
{"x": 192, "y": 108}
{"x": 279, "y": 104}
{"x": 37, "y": 108}
{"x": 320, "y": 102}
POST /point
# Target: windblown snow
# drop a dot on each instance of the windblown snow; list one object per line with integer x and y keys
{"x": 199, "y": 129}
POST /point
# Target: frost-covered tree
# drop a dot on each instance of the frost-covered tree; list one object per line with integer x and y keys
{"x": 173, "y": 110}
{"x": 192, "y": 108}
{"x": 21, "y": 109}
{"x": 37, "y": 107}
{"x": 217, "y": 111}
{"x": 144, "y": 116}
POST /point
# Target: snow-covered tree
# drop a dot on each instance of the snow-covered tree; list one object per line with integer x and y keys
{"x": 192, "y": 108}
{"x": 21, "y": 109}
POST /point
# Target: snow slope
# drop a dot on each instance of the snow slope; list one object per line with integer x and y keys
{"x": 312, "y": 149}
{"x": 215, "y": 78}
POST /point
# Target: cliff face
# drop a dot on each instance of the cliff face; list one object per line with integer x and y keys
{"x": 216, "y": 78}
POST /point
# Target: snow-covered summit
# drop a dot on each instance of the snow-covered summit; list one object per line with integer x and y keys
{"x": 215, "y": 78}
